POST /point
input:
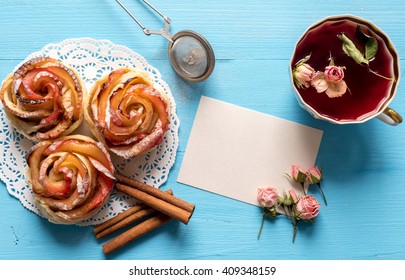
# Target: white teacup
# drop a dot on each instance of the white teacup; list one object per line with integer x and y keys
{"x": 345, "y": 70}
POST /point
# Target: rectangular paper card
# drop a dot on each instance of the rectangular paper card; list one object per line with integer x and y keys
{"x": 233, "y": 150}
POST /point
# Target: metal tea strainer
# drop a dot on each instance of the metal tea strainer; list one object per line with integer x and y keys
{"x": 190, "y": 54}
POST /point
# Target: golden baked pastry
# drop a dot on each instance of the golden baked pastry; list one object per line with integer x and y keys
{"x": 126, "y": 112}
{"x": 43, "y": 99}
{"x": 71, "y": 177}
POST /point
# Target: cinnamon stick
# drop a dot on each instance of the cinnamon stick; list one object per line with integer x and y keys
{"x": 156, "y": 203}
{"x": 135, "y": 232}
{"x": 154, "y": 192}
{"x": 137, "y": 216}
{"x": 99, "y": 228}
{"x": 121, "y": 216}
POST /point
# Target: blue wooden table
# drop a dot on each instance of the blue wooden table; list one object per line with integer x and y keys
{"x": 363, "y": 164}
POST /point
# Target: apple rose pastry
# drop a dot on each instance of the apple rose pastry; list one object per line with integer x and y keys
{"x": 127, "y": 113}
{"x": 43, "y": 99}
{"x": 71, "y": 177}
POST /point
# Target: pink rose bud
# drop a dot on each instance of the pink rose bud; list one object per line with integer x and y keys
{"x": 303, "y": 74}
{"x": 293, "y": 195}
{"x": 307, "y": 208}
{"x": 334, "y": 74}
{"x": 314, "y": 175}
{"x": 298, "y": 174}
{"x": 267, "y": 197}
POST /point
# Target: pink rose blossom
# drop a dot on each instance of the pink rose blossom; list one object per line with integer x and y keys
{"x": 303, "y": 75}
{"x": 297, "y": 174}
{"x": 336, "y": 89}
{"x": 314, "y": 175}
{"x": 307, "y": 208}
{"x": 331, "y": 81}
{"x": 267, "y": 197}
{"x": 319, "y": 82}
{"x": 334, "y": 74}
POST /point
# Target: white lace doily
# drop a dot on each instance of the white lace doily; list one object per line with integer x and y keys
{"x": 92, "y": 59}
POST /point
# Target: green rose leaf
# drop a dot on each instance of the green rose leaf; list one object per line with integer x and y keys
{"x": 350, "y": 49}
{"x": 371, "y": 44}
{"x": 371, "y": 48}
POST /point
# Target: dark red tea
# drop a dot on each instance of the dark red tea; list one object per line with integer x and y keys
{"x": 367, "y": 92}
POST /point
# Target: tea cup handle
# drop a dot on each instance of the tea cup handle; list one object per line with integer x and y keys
{"x": 390, "y": 116}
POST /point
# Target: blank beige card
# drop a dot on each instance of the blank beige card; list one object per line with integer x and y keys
{"x": 233, "y": 150}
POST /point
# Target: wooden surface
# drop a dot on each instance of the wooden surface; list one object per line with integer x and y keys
{"x": 253, "y": 42}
